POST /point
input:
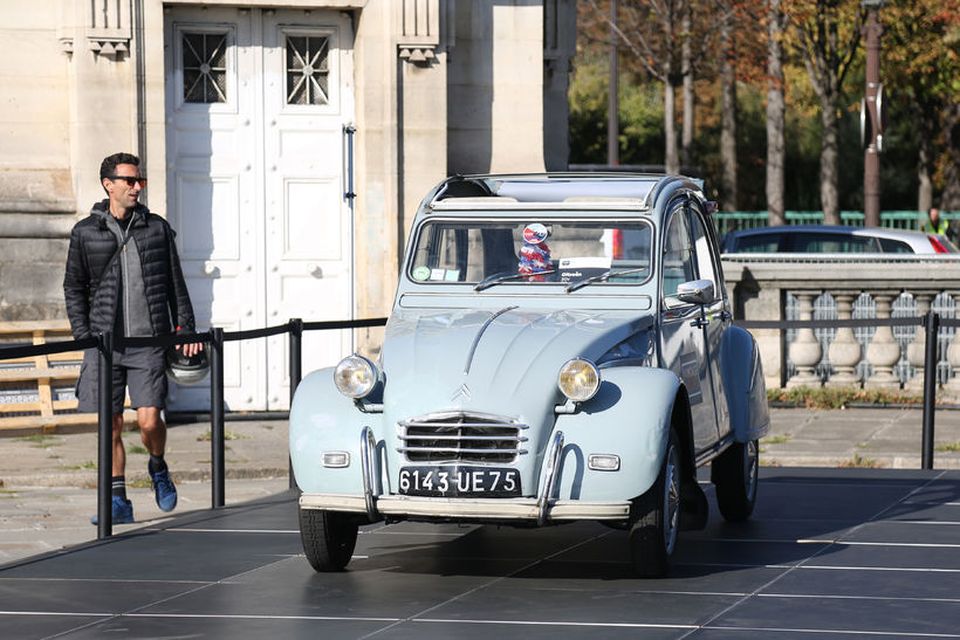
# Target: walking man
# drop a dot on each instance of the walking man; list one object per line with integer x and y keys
{"x": 123, "y": 275}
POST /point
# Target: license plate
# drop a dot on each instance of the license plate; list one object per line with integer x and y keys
{"x": 463, "y": 482}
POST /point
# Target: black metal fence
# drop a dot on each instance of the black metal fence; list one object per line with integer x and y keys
{"x": 214, "y": 339}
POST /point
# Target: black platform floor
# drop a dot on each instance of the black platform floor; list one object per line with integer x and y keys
{"x": 838, "y": 553}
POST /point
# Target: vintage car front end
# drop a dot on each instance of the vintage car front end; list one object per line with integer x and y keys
{"x": 472, "y": 424}
{"x": 521, "y": 381}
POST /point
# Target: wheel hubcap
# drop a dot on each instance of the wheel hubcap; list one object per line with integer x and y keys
{"x": 671, "y": 501}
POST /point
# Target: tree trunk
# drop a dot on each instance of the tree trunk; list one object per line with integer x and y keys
{"x": 776, "y": 147}
{"x": 670, "y": 128}
{"x": 728, "y": 129}
{"x": 924, "y": 162}
{"x": 829, "y": 201}
{"x": 686, "y": 68}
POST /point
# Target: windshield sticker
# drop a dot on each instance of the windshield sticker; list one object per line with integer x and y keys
{"x": 573, "y": 269}
{"x": 535, "y": 233}
{"x": 452, "y": 275}
{"x": 421, "y": 273}
{"x": 437, "y": 274}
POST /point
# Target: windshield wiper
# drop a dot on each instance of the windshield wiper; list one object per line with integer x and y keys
{"x": 601, "y": 277}
{"x": 486, "y": 284}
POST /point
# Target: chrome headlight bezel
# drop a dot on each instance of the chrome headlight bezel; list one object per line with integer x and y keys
{"x": 578, "y": 379}
{"x": 356, "y": 376}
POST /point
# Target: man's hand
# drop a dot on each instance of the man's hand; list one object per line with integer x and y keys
{"x": 190, "y": 349}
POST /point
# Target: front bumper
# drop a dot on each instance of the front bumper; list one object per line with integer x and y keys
{"x": 539, "y": 510}
{"x": 519, "y": 509}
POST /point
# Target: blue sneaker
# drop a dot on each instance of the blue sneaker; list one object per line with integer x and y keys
{"x": 121, "y": 510}
{"x": 164, "y": 491}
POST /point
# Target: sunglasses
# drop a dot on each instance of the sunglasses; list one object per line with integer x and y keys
{"x": 130, "y": 180}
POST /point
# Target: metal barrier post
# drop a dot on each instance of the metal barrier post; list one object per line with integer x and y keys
{"x": 104, "y": 435}
{"x": 932, "y": 327}
{"x": 296, "y": 374}
{"x": 216, "y": 417}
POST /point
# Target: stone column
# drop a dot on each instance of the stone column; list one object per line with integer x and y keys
{"x": 883, "y": 352}
{"x": 916, "y": 350}
{"x": 844, "y": 351}
{"x": 805, "y": 351}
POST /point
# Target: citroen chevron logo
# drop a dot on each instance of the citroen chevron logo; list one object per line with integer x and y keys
{"x": 463, "y": 393}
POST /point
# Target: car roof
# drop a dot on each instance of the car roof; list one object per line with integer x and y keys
{"x": 917, "y": 240}
{"x": 561, "y": 190}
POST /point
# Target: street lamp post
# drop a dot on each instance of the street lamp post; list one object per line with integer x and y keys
{"x": 613, "y": 99}
{"x": 872, "y": 121}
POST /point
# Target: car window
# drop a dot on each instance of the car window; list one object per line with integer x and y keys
{"x": 812, "y": 242}
{"x": 758, "y": 243}
{"x": 472, "y": 251}
{"x": 701, "y": 245}
{"x": 678, "y": 256}
{"x": 889, "y": 245}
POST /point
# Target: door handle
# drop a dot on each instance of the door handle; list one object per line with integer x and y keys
{"x": 700, "y": 322}
{"x": 725, "y": 315}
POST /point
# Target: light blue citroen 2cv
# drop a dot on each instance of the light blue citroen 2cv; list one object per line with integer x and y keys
{"x": 561, "y": 348}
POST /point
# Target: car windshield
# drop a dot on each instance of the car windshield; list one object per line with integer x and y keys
{"x": 531, "y": 251}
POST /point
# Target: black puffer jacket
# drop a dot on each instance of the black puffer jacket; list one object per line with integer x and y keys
{"x": 92, "y": 296}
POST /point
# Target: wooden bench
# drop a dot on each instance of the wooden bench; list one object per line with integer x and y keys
{"x": 40, "y": 376}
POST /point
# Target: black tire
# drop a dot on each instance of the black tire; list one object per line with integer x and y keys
{"x": 653, "y": 535}
{"x": 328, "y": 538}
{"x": 736, "y": 475}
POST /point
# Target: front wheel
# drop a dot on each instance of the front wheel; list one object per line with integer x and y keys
{"x": 653, "y": 535}
{"x": 328, "y": 538}
{"x": 736, "y": 476}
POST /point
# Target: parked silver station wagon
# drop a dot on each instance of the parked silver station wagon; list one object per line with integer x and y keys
{"x": 560, "y": 349}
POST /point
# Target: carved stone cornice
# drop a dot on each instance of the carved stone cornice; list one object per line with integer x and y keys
{"x": 110, "y": 28}
{"x": 419, "y": 38}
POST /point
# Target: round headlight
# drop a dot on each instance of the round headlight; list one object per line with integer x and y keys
{"x": 579, "y": 379}
{"x": 355, "y": 376}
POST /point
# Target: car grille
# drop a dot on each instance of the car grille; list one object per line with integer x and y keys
{"x": 461, "y": 437}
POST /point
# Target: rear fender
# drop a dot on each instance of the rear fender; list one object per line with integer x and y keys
{"x": 629, "y": 417}
{"x": 743, "y": 383}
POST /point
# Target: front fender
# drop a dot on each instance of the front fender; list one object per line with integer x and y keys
{"x": 322, "y": 420}
{"x": 630, "y": 417}
{"x": 744, "y": 386}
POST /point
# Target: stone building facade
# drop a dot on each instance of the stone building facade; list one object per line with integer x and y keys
{"x": 257, "y": 122}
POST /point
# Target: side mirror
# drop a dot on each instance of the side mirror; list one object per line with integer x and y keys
{"x": 696, "y": 292}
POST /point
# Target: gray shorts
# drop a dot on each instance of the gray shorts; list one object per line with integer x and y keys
{"x": 142, "y": 370}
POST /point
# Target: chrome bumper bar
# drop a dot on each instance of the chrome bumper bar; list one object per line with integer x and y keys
{"x": 521, "y": 509}
{"x": 542, "y": 509}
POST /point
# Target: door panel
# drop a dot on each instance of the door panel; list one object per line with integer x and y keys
{"x": 254, "y": 172}
{"x": 683, "y": 343}
{"x": 308, "y": 247}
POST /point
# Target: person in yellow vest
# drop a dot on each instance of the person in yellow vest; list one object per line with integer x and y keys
{"x": 935, "y": 224}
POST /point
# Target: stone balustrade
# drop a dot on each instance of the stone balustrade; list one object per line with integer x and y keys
{"x": 805, "y": 287}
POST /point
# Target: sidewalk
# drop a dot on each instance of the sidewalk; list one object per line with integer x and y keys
{"x": 48, "y": 490}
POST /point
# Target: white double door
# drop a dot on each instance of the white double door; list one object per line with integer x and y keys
{"x": 256, "y": 103}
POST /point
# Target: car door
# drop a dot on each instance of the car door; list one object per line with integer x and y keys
{"x": 683, "y": 341}
{"x": 717, "y": 314}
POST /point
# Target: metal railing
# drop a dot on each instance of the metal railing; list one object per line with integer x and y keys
{"x": 214, "y": 338}
{"x": 931, "y": 322}
{"x": 727, "y": 221}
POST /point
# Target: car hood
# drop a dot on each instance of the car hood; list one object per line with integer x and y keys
{"x": 502, "y": 361}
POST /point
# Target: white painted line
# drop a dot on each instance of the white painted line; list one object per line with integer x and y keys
{"x": 192, "y": 530}
{"x": 359, "y": 557}
{"x": 79, "y": 614}
{"x": 229, "y": 616}
{"x": 853, "y": 632}
{"x": 558, "y": 623}
{"x": 818, "y": 596}
{"x": 949, "y": 523}
{"x": 855, "y": 568}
